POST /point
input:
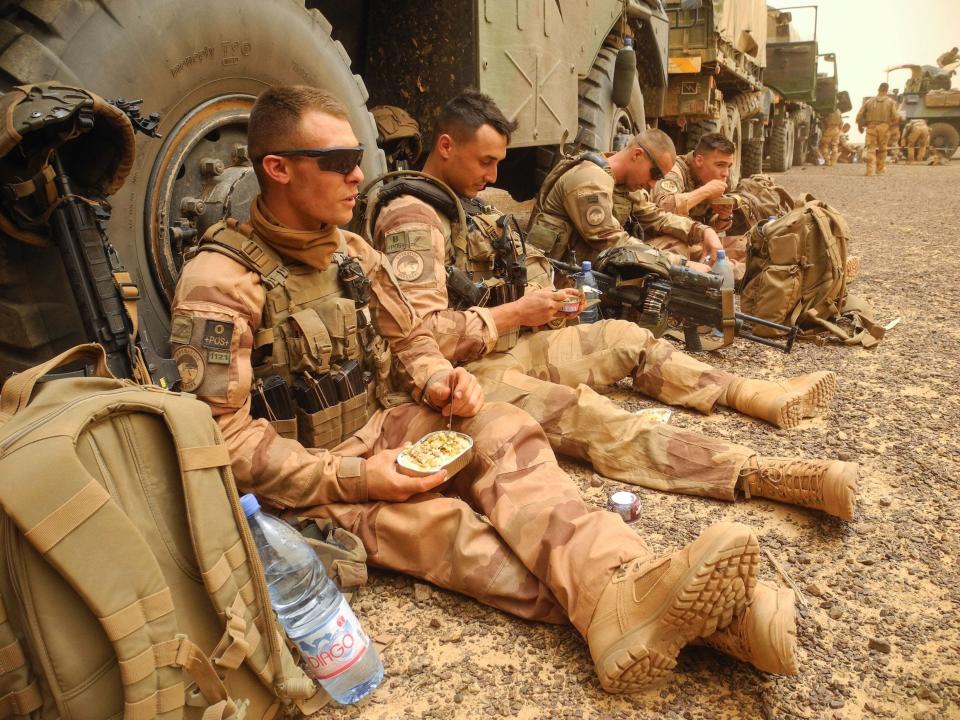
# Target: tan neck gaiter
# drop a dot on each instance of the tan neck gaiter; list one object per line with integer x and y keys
{"x": 312, "y": 247}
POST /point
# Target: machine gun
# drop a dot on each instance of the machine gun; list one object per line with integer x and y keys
{"x": 694, "y": 298}
{"x": 64, "y": 132}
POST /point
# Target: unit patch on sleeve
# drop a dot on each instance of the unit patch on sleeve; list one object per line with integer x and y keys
{"x": 190, "y": 366}
{"x": 407, "y": 265}
{"x": 670, "y": 186}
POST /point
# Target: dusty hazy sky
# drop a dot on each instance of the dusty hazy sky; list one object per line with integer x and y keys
{"x": 871, "y": 35}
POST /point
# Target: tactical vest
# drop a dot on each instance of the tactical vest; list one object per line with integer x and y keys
{"x": 316, "y": 335}
{"x": 485, "y": 261}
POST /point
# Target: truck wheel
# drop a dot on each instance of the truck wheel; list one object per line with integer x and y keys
{"x": 200, "y": 65}
{"x": 944, "y": 138}
{"x": 781, "y": 146}
{"x": 801, "y": 143}
{"x": 732, "y": 132}
{"x": 602, "y": 125}
{"x": 751, "y": 158}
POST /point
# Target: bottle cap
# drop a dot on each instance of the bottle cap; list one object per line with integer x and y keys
{"x": 721, "y": 254}
{"x": 628, "y": 43}
{"x": 250, "y": 504}
{"x": 587, "y": 266}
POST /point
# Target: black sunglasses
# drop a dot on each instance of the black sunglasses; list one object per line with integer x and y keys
{"x": 332, "y": 159}
{"x": 655, "y": 172}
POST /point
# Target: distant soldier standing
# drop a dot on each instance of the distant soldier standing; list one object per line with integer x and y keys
{"x": 916, "y": 138}
{"x": 830, "y": 141}
{"x": 876, "y": 115}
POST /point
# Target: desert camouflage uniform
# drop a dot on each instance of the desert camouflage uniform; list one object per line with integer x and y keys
{"x": 877, "y": 114}
{"x": 830, "y": 141}
{"x": 592, "y": 212}
{"x": 549, "y": 375}
{"x": 916, "y": 138}
{"x": 522, "y": 558}
{"x": 669, "y": 196}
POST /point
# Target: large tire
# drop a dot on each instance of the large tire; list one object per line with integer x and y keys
{"x": 781, "y": 146}
{"x": 200, "y": 64}
{"x": 602, "y": 126}
{"x": 751, "y": 159}
{"x": 801, "y": 146}
{"x": 944, "y": 138}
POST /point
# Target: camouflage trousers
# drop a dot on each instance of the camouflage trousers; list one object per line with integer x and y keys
{"x": 830, "y": 145}
{"x": 549, "y": 374}
{"x": 875, "y": 149}
{"x": 735, "y": 246}
{"x": 918, "y": 139}
{"x": 510, "y": 529}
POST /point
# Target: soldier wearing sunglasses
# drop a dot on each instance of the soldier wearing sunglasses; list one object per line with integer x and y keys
{"x": 592, "y": 202}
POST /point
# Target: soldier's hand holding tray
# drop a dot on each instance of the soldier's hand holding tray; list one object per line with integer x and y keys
{"x": 386, "y": 482}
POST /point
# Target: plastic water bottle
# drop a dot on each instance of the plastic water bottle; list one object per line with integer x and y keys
{"x": 724, "y": 269}
{"x": 588, "y": 283}
{"x": 316, "y": 616}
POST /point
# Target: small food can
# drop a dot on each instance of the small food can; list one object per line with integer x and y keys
{"x": 626, "y": 504}
{"x": 570, "y": 304}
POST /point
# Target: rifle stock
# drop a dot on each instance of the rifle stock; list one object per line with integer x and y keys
{"x": 693, "y": 297}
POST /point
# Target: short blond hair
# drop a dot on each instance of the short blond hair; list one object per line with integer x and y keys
{"x": 276, "y": 115}
{"x": 656, "y": 141}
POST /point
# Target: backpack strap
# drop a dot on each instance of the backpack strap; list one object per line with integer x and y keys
{"x": 558, "y": 170}
{"x": 19, "y": 694}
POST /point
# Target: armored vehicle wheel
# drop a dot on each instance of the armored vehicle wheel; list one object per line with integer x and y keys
{"x": 751, "y": 158}
{"x": 781, "y": 146}
{"x": 801, "y": 143}
{"x": 944, "y": 138}
{"x": 200, "y": 64}
{"x": 602, "y": 125}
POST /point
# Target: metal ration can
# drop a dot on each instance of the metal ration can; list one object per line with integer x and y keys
{"x": 625, "y": 504}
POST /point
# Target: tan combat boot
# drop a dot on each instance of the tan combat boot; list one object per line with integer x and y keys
{"x": 827, "y": 485}
{"x": 784, "y": 403}
{"x": 765, "y": 634}
{"x": 652, "y": 608}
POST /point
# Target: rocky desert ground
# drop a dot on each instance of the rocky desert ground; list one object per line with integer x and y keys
{"x": 879, "y": 621}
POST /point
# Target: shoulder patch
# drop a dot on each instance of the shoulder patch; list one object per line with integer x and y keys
{"x": 191, "y": 367}
{"x": 217, "y": 335}
{"x": 595, "y": 214}
{"x": 669, "y": 185}
{"x": 181, "y": 329}
{"x": 407, "y": 265}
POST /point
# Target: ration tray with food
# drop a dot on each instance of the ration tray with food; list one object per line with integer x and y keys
{"x": 442, "y": 449}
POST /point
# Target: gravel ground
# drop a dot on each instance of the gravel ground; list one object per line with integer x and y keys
{"x": 880, "y": 633}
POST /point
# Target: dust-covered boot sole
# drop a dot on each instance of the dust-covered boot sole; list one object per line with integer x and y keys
{"x": 811, "y": 399}
{"x": 715, "y": 589}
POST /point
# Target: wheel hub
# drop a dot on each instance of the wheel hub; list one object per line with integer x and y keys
{"x": 201, "y": 175}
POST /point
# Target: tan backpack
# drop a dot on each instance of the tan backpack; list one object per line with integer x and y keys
{"x": 796, "y": 276}
{"x": 130, "y": 583}
{"x": 759, "y": 197}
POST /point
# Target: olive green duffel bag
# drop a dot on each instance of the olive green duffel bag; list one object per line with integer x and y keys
{"x": 130, "y": 583}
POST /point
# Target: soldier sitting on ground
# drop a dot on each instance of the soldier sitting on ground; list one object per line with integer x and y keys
{"x": 550, "y": 373}
{"x": 847, "y": 151}
{"x": 282, "y": 296}
{"x": 592, "y": 202}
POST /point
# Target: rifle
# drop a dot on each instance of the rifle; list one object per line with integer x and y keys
{"x": 102, "y": 288}
{"x": 695, "y": 298}
{"x": 508, "y": 264}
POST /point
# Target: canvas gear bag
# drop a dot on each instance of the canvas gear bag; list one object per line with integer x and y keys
{"x": 758, "y": 198}
{"x": 129, "y": 580}
{"x": 796, "y": 276}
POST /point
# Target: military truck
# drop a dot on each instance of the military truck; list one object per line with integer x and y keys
{"x": 551, "y": 65}
{"x": 715, "y": 76}
{"x": 929, "y": 95}
{"x": 802, "y": 90}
